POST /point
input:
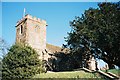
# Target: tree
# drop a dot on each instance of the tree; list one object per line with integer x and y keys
{"x": 3, "y": 47}
{"x": 98, "y": 32}
{"x": 64, "y": 62}
{"x": 21, "y": 62}
{"x": 3, "y": 51}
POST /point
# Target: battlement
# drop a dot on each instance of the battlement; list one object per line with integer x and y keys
{"x": 27, "y": 16}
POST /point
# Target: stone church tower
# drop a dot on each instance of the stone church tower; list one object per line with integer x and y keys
{"x": 32, "y": 31}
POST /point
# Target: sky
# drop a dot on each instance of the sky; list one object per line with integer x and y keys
{"x": 59, "y": 0}
{"x": 57, "y": 15}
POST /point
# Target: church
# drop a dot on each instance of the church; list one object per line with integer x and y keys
{"x": 32, "y": 31}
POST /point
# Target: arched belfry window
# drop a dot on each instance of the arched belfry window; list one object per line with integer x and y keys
{"x": 21, "y": 29}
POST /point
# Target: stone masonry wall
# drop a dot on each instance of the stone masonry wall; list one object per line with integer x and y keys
{"x": 33, "y": 33}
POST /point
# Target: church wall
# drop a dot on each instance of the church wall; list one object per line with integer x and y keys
{"x": 33, "y": 33}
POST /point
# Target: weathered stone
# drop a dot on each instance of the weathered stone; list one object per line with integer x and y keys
{"x": 32, "y": 31}
{"x": 92, "y": 63}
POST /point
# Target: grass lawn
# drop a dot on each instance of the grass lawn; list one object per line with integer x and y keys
{"x": 115, "y": 71}
{"x": 70, "y": 74}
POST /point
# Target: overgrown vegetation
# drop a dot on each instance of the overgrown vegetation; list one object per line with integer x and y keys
{"x": 97, "y": 33}
{"x": 65, "y": 61}
{"x": 21, "y": 62}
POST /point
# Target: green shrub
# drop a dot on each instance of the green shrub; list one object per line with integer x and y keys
{"x": 21, "y": 62}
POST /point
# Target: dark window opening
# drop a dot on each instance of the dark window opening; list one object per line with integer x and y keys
{"x": 21, "y": 29}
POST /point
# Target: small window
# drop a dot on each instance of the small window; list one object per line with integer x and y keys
{"x": 21, "y": 29}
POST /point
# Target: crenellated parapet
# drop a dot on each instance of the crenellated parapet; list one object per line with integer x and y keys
{"x": 27, "y": 16}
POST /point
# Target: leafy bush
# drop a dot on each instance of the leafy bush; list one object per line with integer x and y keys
{"x": 21, "y": 62}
